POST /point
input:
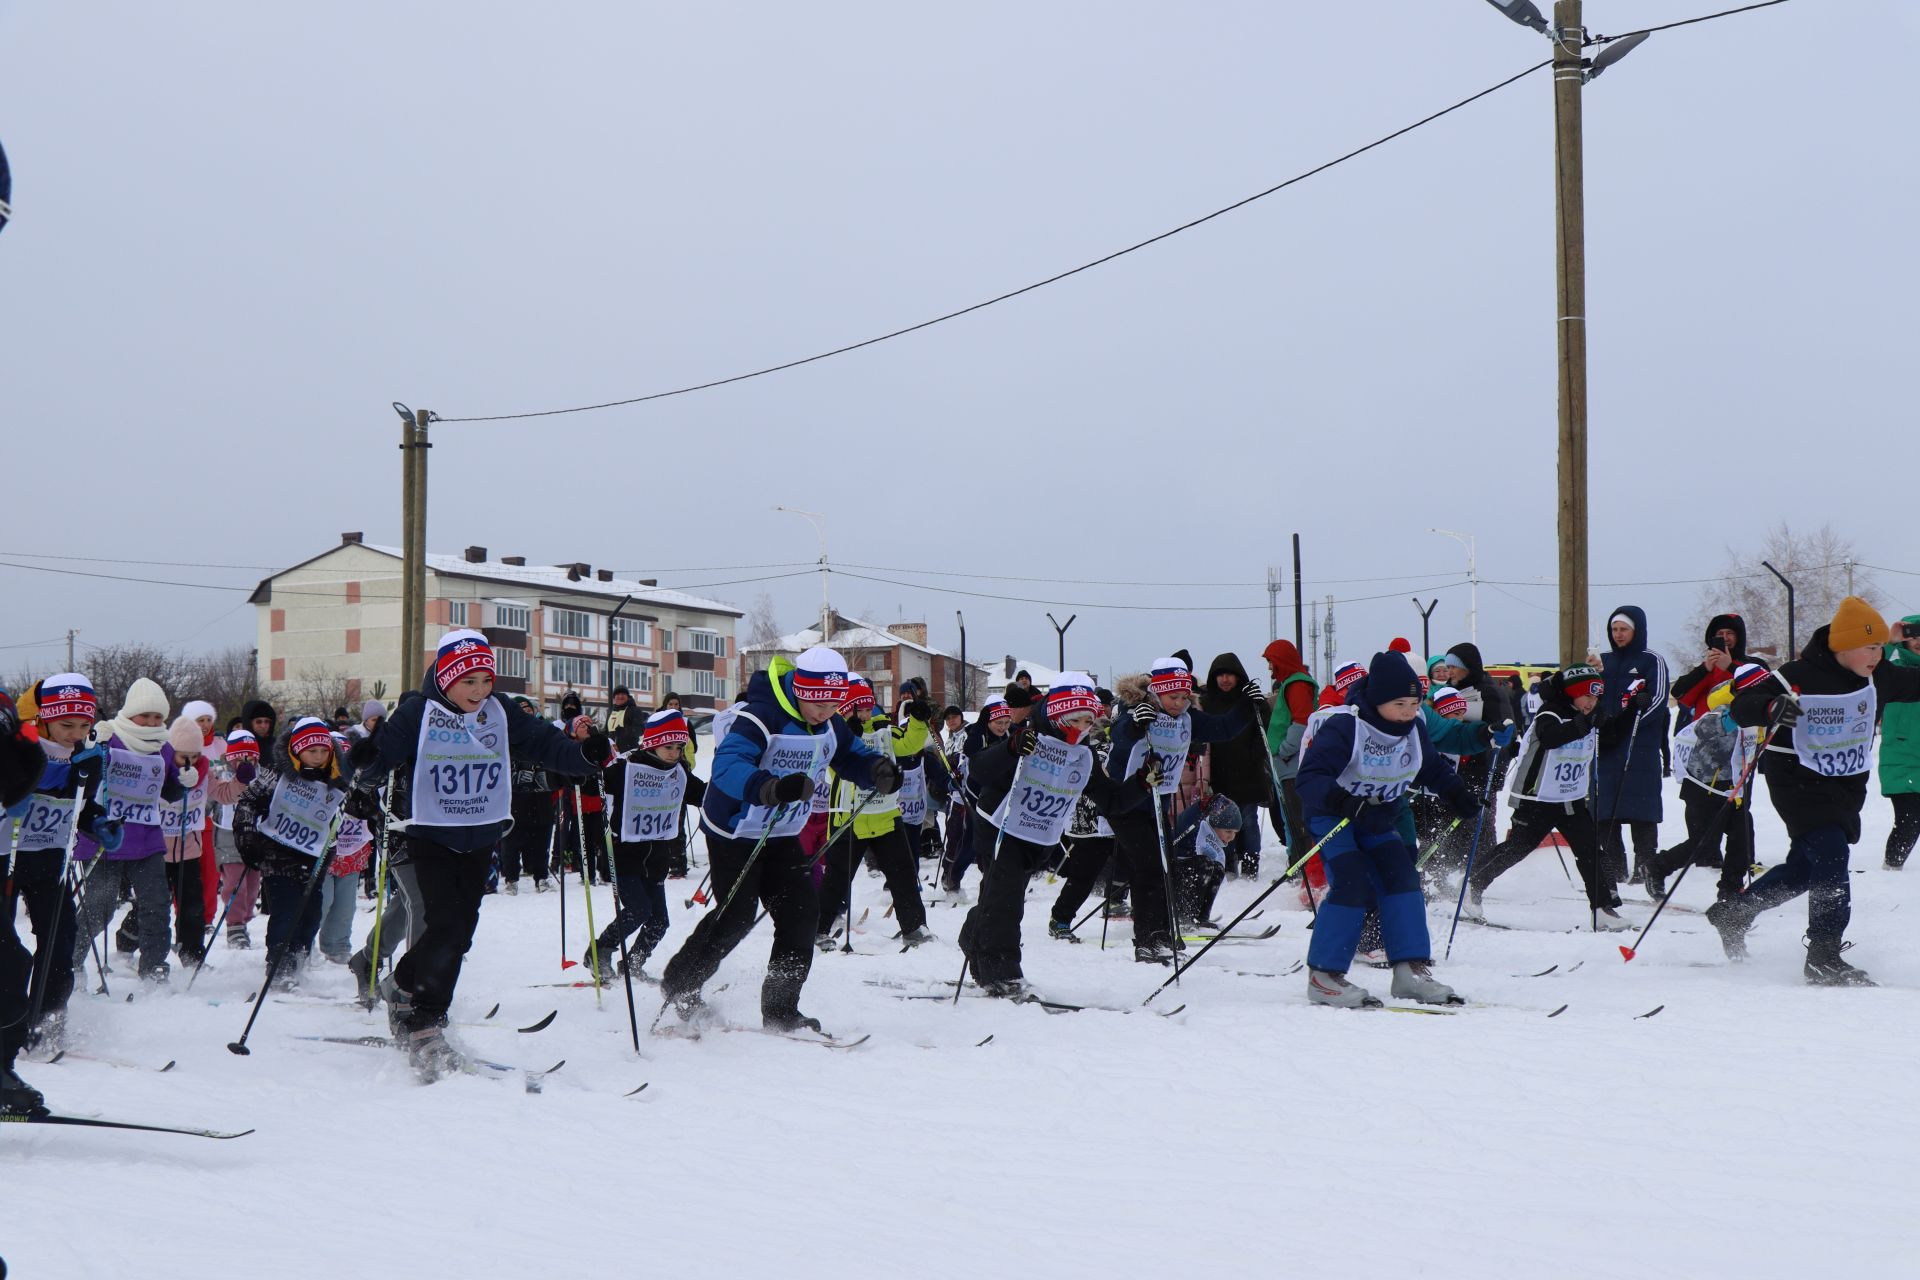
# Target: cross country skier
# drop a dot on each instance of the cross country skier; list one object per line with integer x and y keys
{"x": 1816, "y": 766}
{"x": 1900, "y": 754}
{"x": 1029, "y": 785}
{"x": 1555, "y": 772}
{"x": 1714, "y": 753}
{"x": 648, "y": 792}
{"x": 1203, "y": 836}
{"x": 530, "y": 840}
{"x": 446, "y": 757}
{"x": 1089, "y": 846}
{"x": 283, "y": 824}
{"x": 759, "y": 797}
{"x": 988, "y": 729}
{"x": 65, "y": 708}
{"x": 1357, "y": 769}
{"x": 876, "y": 835}
{"x": 1158, "y": 718}
{"x": 22, "y": 763}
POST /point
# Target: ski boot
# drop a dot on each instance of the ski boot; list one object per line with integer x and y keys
{"x": 1825, "y": 968}
{"x": 1061, "y": 931}
{"x": 1730, "y": 919}
{"x": 237, "y": 939}
{"x": 17, "y": 1097}
{"x": 692, "y": 1010}
{"x": 360, "y": 965}
{"x": 1008, "y": 989}
{"x": 47, "y": 1037}
{"x": 788, "y": 1021}
{"x": 543, "y": 885}
{"x": 919, "y": 937}
{"x": 430, "y": 1055}
{"x": 1156, "y": 952}
{"x": 510, "y": 887}
{"x": 600, "y": 973}
{"x": 1656, "y": 885}
{"x": 828, "y": 936}
{"x": 156, "y": 975}
{"x": 1607, "y": 920}
{"x": 1333, "y": 989}
{"x": 1471, "y": 907}
{"x": 399, "y": 1006}
{"x": 1413, "y": 980}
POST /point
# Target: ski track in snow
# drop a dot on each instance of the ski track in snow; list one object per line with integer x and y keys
{"x": 1755, "y": 1128}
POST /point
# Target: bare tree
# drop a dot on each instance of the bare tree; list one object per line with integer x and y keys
{"x": 763, "y": 627}
{"x": 1823, "y": 567}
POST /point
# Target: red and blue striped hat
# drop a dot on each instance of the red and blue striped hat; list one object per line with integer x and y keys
{"x": 820, "y": 675}
{"x": 1169, "y": 675}
{"x": 241, "y": 743}
{"x": 1346, "y": 675}
{"x": 461, "y": 652}
{"x": 859, "y": 693}
{"x": 1071, "y": 693}
{"x": 66, "y": 696}
{"x": 665, "y": 729}
{"x": 1450, "y": 702}
{"x": 309, "y": 731}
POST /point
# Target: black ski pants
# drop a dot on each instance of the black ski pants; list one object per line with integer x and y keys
{"x": 1087, "y": 857}
{"x": 1613, "y": 852}
{"x": 452, "y": 886}
{"x": 640, "y": 887}
{"x": 527, "y": 846}
{"x": 1906, "y": 829}
{"x": 1706, "y": 828}
{"x": 1816, "y": 865}
{"x": 1139, "y": 850}
{"x": 50, "y": 910}
{"x": 780, "y": 879}
{"x": 1532, "y": 823}
{"x": 990, "y": 936}
{"x": 891, "y": 856}
{"x": 1196, "y": 882}
{"x": 291, "y": 927}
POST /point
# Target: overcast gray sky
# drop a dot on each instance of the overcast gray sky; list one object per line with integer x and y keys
{"x": 241, "y": 230}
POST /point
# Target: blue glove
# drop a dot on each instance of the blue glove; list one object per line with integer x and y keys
{"x": 20, "y": 810}
{"x": 1503, "y": 735}
{"x": 107, "y": 833}
{"x": 93, "y": 751}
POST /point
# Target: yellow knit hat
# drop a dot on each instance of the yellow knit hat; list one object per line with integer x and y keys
{"x": 1855, "y": 624}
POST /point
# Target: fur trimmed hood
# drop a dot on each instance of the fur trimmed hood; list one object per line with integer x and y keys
{"x": 1131, "y": 688}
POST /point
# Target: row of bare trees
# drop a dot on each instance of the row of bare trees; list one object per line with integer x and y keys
{"x": 224, "y": 677}
{"x": 1824, "y": 568}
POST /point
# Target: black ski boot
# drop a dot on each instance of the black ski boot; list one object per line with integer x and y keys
{"x": 1825, "y": 968}
{"x": 17, "y": 1097}
{"x": 601, "y": 973}
{"x": 789, "y": 1021}
{"x": 1729, "y": 917}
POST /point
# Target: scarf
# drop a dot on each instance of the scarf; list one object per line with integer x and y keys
{"x": 140, "y": 738}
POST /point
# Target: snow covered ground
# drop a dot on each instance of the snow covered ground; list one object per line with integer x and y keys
{"x": 1753, "y": 1128}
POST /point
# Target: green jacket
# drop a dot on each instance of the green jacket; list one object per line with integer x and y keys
{"x": 1283, "y": 735}
{"x": 907, "y": 741}
{"x": 1900, "y": 730}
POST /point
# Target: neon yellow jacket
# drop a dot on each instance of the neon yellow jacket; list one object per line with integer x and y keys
{"x": 906, "y": 741}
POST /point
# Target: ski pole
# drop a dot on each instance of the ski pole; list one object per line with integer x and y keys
{"x": 1613, "y": 813}
{"x": 1273, "y": 774}
{"x": 993, "y": 861}
{"x": 275, "y": 957}
{"x": 201, "y": 963}
{"x": 1712, "y": 831}
{"x": 1248, "y": 910}
{"x": 619, "y": 915}
{"x": 560, "y": 816}
{"x": 586, "y": 887}
{"x": 379, "y": 896}
{"x": 43, "y": 967}
{"x": 1479, "y": 825}
{"x": 1166, "y": 876}
{"x": 700, "y": 893}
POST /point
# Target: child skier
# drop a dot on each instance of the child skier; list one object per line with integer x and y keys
{"x": 758, "y": 799}
{"x": 1203, "y": 834}
{"x": 648, "y": 795}
{"x": 446, "y": 758}
{"x": 1553, "y": 792}
{"x": 1816, "y": 765}
{"x": 1029, "y": 785}
{"x": 285, "y": 825}
{"x": 1158, "y": 719}
{"x": 1358, "y": 766}
{"x": 876, "y": 836}
{"x": 1713, "y": 754}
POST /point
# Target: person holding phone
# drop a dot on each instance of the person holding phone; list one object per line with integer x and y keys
{"x": 1900, "y": 750}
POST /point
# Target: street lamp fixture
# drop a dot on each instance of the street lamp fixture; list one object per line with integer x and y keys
{"x": 1524, "y": 12}
{"x": 1615, "y": 51}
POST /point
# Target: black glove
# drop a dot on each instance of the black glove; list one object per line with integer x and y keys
{"x": 1143, "y": 714}
{"x": 596, "y": 747}
{"x": 1352, "y": 806}
{"x": 1465, "y": 802}
{"x": 1784, "y": 711}
{"x": 252, "y": 854}
{"x": 1483, "y": 733}
{"x": 1642, "y": 696}
{"x": 920, "y": 709}
{"x": 1021, "y": 740}
{"x": 1147, "y": 776}
{"x": 886, "y": 777}
{"x": 360, "y": 804}
{"x": 784, "y": 789}
{"x": 363, "y": 752}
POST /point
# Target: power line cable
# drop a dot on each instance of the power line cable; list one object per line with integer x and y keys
{"x": 1024, "y": 289}
{"x": 1684, "y": 22}
{"x": 1129, "y": 608}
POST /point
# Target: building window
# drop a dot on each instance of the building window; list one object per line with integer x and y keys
{"x": 701, "y": 641}
{"x": 636, "y": 678}
{"x": 666, "y": 640}
{"x": 704, "y": 682}
{"x": 564, "y": 668}
{"x": 630, "y": 631}
{"x": 512, "y": 663}
{"x": 877, "y": 660}
{"x": 515, "y": 617}
{"x": 570, "y": 622}
{"x": 457, "y": 613}
{"x": 720, "y": 689}
{"x": 277, "y": 670}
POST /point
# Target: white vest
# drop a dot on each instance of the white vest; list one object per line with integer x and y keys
{"x": 1834, "y": 737}
{"x": 133, "y": 783}
{"x": 1691, "y": 761}
{"x": 177, "y": 821}
{"x": 1045, "y": 789}
{"x": 301, "y": 814}
{"x": 47, "y": 823}
{"x": 1168, "y": 737}
{"x": 913, "y": 796}
{"x": 651, "y": 802}
{"x": 1566, "y": 771}
{"x": 1381, "y": 767}
{"x": 462, "y": 772}
{"x": 787, "y": 753}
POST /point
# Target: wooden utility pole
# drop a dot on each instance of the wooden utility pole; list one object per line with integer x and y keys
{"x": 413, "y": 552}
{"x": 1571, "y": 244}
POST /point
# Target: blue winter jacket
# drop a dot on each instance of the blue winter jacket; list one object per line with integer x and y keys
{"x": 769, "y": 707}
{"x": 1321, "y": 795}
{"x": 1627, "y": 789}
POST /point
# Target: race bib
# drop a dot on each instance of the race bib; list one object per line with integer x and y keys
{"x": 300, "y": 815}
{"x": 46, "y": 824}
{"x": 1168, "y": 737}
{"x": 787, "y": 753}
{"x": 1382, "y": 766}
{"x": 133, "y": 783}
{"x": 1719, "y": 764}
{"x": 823, "y": 793}
{"x": 1041, "y": 802}
{"x": 1835, "y": 735}
{"x": 880, "y": 742}
{"x": 177, "y": 821}
{"x": 651, "y": 803}
{"x": 1566, "y": 772}
{"x": 913, "y": 796}
{"x": 354, "y": 835}
{"x": 460, "y": 774}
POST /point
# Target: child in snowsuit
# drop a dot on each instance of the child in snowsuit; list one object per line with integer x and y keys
{"x": 647, "y": 797}
{"x": 1359, "y": 765}
{"x": 1203, "y": 835}
{"x": 1714, "y": 755}
{"x": 876, "y": 836}
{"x": 285, "y": 826}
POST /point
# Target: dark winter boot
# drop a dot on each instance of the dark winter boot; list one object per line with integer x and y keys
{"x": 918, "y": 938}
{"x": 1731, "y": 919}
{"x": 17, "y": 1097}
{"x": 360, "y": 965}
{"x": 598, "y": 962}
{"x": 1155, "y": 952}
{"x": 431, "y": 1056}
{"x": 1007, "y": 989}
{"x": 1825, "y": 968}
{"x": 1061, "y": 931}
{"x": 399, "y": 1006}
{"x": 789, "y": 1020}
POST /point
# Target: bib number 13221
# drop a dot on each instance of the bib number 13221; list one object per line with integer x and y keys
{"x": 464, "y": 779}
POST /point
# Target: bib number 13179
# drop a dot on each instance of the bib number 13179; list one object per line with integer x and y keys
{"x": 464, "y": 779}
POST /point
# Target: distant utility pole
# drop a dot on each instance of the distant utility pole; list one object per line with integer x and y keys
{"x": 1312, "y": 654}
{"x": 1332, "y": 653}
{"x": 1569, "y": 76}
{"x": 1273, "y": 603}
{"x": 74, "y": 631}
{"x": 1060, "y": 634}
{"x": 1296, "y": 594}
{"x": 413, "y": 548}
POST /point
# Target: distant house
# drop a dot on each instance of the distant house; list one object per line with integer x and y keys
{"x": 1040, "y": 673}
{"x": 887, "y": 656}
{"x": 334, "y": 620}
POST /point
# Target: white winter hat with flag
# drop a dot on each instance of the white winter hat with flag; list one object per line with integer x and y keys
{"x": 820, "y": 675}
{"x": 1070, "y": 694}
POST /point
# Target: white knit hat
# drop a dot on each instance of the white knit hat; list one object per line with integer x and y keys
{"x": 197, "y": 708}
{"x": 186, "y": 737}
{"x": 144, "y": 697}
